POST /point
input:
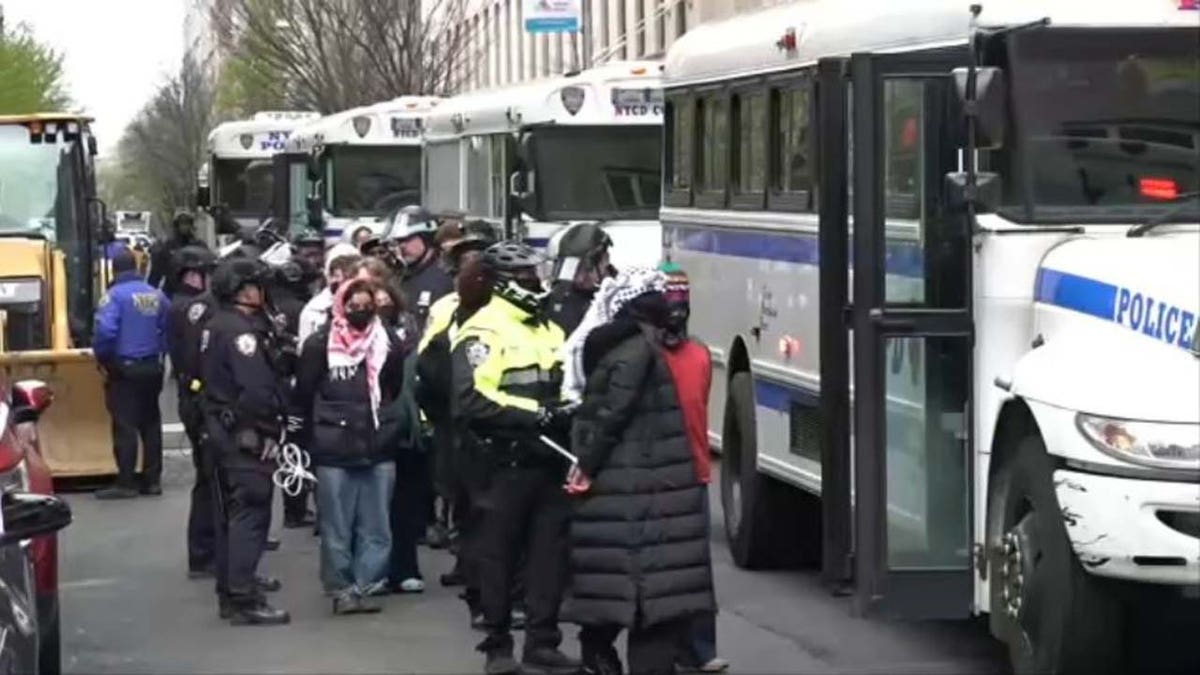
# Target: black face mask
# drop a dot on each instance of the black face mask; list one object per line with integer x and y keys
{"x": 359, "y": 319}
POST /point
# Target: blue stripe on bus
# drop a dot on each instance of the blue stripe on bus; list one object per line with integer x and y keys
{"x": 1081, "y": 294}
{"x": 779, "y": 397}
{"x": 903, "y": 258}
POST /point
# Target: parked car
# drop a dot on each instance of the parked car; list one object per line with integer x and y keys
{"x": 31, "y": 517}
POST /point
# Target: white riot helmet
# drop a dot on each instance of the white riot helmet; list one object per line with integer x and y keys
{"x": 409, "y": 221}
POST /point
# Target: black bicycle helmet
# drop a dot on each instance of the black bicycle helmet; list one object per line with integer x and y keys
{"x": 233, "y": 274}
{"x": 477, "y": 235}
{"x": 507, "y": 257}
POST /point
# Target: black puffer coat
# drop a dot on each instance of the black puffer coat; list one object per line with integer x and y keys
{"x": 639, "y": 543}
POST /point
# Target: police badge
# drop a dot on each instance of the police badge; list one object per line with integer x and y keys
{"x": 246, "y": 344}
{"x": 477, "y": 353}
{"x": 195, "y": 312}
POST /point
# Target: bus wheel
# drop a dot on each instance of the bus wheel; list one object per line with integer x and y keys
{"x": 1057, "y": 618}
{"x": 747, "y": 496}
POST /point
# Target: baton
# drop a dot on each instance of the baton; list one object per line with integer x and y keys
{"x": 559, "y": 449}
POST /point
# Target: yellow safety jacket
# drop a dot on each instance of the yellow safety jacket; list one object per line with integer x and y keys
{"x": 440, "y": 318}
{"x": 506, "y": 367}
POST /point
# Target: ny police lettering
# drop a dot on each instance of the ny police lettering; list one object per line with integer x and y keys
{"x": 1154, "y": 318}
{"x": 274, "y": 140}
{"x": 638, "y": 110}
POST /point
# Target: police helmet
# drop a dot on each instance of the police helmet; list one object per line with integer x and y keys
{"x": 194, "y": 259}
{"x": 477, "y": 235}
{"x": 584, "y": 243}
{"x": 409, "y": 221}
{"x": 233, "y": 274}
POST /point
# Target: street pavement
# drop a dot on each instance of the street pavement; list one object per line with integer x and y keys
{"x": 127, "y": 607}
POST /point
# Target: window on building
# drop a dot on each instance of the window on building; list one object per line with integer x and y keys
{"x": 681, "y": 120}
{"x": 714, "y": 150}
{"x": 750, "y": 129}
{"x": 544, "y": 39}
{"x": 660, "y": 26}
{"x": 794, "y": 164}
{"x": 622, "y": 30}
{"x": 605, "y": 42}
{"x": 680, "y": 18}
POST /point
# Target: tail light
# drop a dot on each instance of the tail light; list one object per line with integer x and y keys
{"x": 1158, "y": 188}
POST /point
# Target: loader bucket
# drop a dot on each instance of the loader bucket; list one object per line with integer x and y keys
{"x": 75, "y": 432}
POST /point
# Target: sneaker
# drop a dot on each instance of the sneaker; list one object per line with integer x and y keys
{"x": 347, "y": 603}
{"x": 411, "y": 585}
{"x": 500, "y": 662}
{"x": 369, "y": 604}
{"x": 714, "y": 665}
{"x": 116, "y": 492}
{"x": 549, "y": 659}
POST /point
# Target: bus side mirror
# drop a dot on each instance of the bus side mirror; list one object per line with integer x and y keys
{"x": 985, "y": 194}
{"x": 203, "y": 197}
{"x": 988, "y": 106}
{"x": 31, "y": 515}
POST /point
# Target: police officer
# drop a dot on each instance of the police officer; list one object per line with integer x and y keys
{"x": 506, "y": 377}
{"x": 190, "y": 311}
{"x": 581, "y": 253}
{"x": 433, "y": 394}
{"x": 129, "y": 342}
{"x": 410, "y": 236}
{"x": 244, "y": 405}
{"x": 183, "y": 229}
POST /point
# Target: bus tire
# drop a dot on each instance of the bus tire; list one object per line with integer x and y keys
{"x": 1055, "y": 616}
{"x": 747, "y": 496}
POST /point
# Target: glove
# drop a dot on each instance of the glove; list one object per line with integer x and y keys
{"x": 556, "y": 419}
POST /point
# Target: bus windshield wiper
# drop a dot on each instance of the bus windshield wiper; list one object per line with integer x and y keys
{"x": 1181, "y": 202}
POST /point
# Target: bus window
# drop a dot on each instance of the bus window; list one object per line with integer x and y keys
{"x": 681, "y": 117}
{"x": 793, "y": 166}
{"x": 479, "y": 198}
{"x": 750, "y": 123}
{"x": 903, "y": 123}
{"x": 442, "y": 177}
{"x": 714, "y": 150}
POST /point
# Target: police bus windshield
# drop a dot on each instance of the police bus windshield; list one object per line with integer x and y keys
{"x": 243, "y": 185}
{"x": 373, "y": 180}
{"x": 1108, "y": 123}
{"x": 606, "y": 172}
{"x": 36, "y": 182}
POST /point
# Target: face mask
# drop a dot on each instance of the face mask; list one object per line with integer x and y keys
{"x": 359, "y": 319}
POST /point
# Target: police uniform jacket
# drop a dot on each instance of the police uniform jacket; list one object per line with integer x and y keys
{"x": 189, "y": 312}
{"x": 242, "y": 388}
{"x": 131, "y": 322}
{"x": 424, "y": 285}
{"x": 506, "y": 368}
{"x": 335, "y": 404}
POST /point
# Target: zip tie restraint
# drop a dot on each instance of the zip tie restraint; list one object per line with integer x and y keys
{"x": 293, "y": 467}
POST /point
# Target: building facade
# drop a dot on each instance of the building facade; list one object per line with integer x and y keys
{"x": 497, "y": 51}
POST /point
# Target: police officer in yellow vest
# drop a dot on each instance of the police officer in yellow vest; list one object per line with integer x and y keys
{"x": 506, "y": 379}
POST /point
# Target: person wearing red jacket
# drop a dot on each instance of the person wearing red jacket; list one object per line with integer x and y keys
{"x": 691, "y": 367}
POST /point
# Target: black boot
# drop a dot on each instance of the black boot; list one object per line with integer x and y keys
{"x": 116, "y": 492}
{"x": 500, "y": 661}
{"x": 549, "y": 660}
{"x": 258, "y": 613}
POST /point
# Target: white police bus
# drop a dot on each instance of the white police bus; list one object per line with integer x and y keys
{"x": 532, "y": 157}
{"x": 360, "y": 163}
{"x": 1014, "y": 428}
{"x": 238, "y": 175}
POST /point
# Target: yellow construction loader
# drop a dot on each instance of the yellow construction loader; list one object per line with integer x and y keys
{"x": 51, "y": 276}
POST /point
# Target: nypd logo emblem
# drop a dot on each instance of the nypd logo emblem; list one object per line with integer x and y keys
{"x": 477, "y": 353}
{"x": 246, "y": 344}
{"x": 195, "y": 312}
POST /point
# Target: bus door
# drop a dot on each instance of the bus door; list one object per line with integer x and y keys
{"x": 912, "y": 340}
{"x": 291, "y": 189}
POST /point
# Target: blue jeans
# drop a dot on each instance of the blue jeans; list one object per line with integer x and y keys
{"x": 698, "y": 645}
{"x": 356, "y": 540}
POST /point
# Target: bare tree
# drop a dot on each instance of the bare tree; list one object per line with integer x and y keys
{"x": 330, "y": 55}
{"x": 163, "y": 148}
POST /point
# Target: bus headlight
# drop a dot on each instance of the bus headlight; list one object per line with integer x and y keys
{"x": 1161, "y": 445}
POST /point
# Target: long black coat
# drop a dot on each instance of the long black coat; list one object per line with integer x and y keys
{"x": 638, "y": 538}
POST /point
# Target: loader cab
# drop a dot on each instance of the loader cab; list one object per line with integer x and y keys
{"x": 49, "y": 224}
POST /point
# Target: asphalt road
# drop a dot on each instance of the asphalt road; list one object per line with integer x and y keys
{"x": 127, "y": 607}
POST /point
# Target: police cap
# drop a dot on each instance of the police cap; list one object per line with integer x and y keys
{"x": 231, "y": 275}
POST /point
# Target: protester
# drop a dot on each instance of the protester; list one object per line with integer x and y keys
{"x": 349, "y": 374}
{"x": 639, "y": 549}
{"x": 691, "y": 369}
{"x": 341, "y": 263}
